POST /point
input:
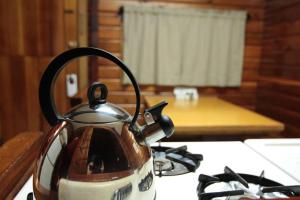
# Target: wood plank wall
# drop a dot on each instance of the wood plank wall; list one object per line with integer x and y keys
{"x": 110, "y": 38}
{"x": 31, "y": 34}
{"x": 26, "y": 36}
{"x": 278, "y": 94}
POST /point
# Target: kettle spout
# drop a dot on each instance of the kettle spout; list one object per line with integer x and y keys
{"x": 158, "y": 126}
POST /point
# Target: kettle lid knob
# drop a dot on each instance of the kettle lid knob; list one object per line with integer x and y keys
{"x": 93, "y": 94}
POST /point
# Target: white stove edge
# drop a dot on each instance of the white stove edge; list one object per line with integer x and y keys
{"x": 238, "y": 156}
{"x": 283, "y": 153}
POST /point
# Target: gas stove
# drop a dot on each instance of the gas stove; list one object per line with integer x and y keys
{"x": 217, "y": 155}
{"x": 231, "y": 185}
{"x": 174, "y": 161}
{"x": 179, "y": 165}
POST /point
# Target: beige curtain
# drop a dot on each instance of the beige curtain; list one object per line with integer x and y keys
{"x": 184, "y": 46}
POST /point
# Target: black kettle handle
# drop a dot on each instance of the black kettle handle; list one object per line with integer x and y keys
{"x": 48, "y": 79}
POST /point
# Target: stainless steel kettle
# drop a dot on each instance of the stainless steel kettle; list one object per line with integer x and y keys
{"x": 96, "y": 150}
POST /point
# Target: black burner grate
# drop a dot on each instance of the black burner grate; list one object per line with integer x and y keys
{"x": 231, "y": 185}
{"x": 174, "y": 161}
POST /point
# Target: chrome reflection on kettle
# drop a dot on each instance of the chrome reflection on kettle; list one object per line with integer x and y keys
{"x": 96, "y": 150}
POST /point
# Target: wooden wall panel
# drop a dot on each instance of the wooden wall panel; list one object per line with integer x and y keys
{"x": 278, "y": 94}
{"x": 31, "y": 34}
{"x": 16, "y": 101}
{"x": 19, "y": 84}
{"x": 110, "y": 39}
{"x": 33, "y": 28}
{"x": 93, "y": 37}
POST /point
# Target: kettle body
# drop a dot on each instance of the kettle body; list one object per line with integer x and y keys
{"x": 96, "y": 150}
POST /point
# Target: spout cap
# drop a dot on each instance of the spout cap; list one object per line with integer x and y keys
{"x": 156, "y": 111}
{"x": 154, "y": 115}
{"x": 166, "y": 125}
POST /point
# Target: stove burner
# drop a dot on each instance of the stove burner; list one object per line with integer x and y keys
{"x": 231, "y": 185}
{"x": 174, "y": 161}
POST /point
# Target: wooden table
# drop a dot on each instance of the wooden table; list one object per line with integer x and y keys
{"x": 213, "y": 116}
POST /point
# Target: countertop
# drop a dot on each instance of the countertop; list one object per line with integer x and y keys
{"x": 236, "y": 155}
{"x": 284, "y": 153}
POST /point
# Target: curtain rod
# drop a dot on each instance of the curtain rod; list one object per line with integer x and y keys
{"x": 121, "y": 11}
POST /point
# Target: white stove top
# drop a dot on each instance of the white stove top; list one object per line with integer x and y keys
{"x": 284, "y": 153}
{"x": 216, "y": 155}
